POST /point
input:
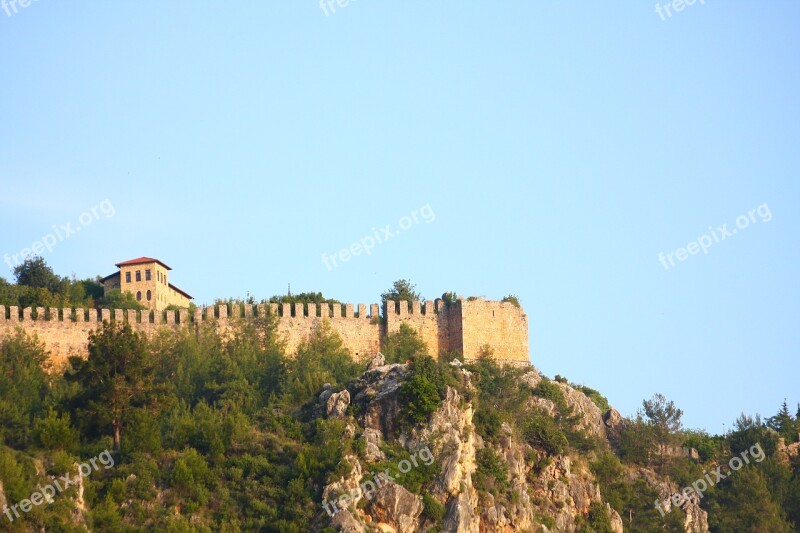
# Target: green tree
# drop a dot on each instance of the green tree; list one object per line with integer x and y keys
{"x": 303, "y": 297}
{"x": 34, "y": 272}
{"x": 115, "y": 299}
{"x": 321, "y": 359}
{"x": 784, "y": 424}
{"x": 402, "y": 289}
{"x": 116, "y": 378}
{"x": 403, "y": 344}
{"x": 665, "y": 419}
{"x": 419, "y": 396}
{"x": 512, "y": 299}
{"x": 24, "y": 386}
{"x": 743, "y": 503}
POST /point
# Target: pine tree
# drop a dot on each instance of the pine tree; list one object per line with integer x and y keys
{"x": 784, "y": 424}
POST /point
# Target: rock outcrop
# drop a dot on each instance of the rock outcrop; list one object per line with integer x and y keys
{"x": 551, "y": 493}
{"x": 337, "y": 404}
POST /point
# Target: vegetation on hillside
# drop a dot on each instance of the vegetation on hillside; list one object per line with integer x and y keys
{"x": 219, "y": 433}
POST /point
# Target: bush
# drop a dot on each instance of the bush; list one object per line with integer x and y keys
{"x": 598, "y": 399}
{"x": 598, "y": 519}
{"x": 54, "y": 432}
{"x": 433, "y": 509}
{"x": 541, "y": 431}
{"x": 419, "y": 398}
{"x": 512, "y": 299}
{"x": 550, "y": 391}
{"x": 491, "y": 466}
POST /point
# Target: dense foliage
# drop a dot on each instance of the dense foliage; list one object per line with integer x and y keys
{"x": 38, "y": 286}
{"x": 218, "y": 433}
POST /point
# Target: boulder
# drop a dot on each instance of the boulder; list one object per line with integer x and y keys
{"x": 337, "y": 404}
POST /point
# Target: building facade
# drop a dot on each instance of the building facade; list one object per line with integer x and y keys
{"x": 147, "y": 279}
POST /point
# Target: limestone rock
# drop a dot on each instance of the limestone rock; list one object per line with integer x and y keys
{"x": 372, "y": 449}
{"x": 377, "y": 361}
{"x": 345, "y": 522}
{"x": 337, "y": 404}
{"x": 378, "y": 389}
{"x": 397, "y": 507}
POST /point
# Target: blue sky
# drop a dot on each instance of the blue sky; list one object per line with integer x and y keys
{"x": 560, "y": 149}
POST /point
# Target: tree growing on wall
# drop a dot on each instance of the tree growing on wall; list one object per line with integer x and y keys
{"x": 402, "y": 290}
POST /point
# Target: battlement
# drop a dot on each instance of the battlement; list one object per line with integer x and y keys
{"x": 463, "y": 325}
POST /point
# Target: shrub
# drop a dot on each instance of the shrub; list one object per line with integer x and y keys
{"x": 433, "y": 509}
{"x": 419, "y": 397}
{"x": 492, "y": 465}
{"x": 541, "y": 431}
{"x": 598, "y": 399}
{"x": 598, "y": 519}
{"x": 550, "y": 391}
{"x": 512, "y": 299}
{"x": 54, "y": 432}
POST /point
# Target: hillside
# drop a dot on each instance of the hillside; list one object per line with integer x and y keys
{"x": 203, "y": 432}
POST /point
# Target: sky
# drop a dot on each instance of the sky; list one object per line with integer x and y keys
{"x": 548, "y": 150}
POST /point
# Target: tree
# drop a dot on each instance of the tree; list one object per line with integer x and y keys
{"x": 512, "y": 299}
{"x": 402, "y": 289}
{"x": 744, "y": 503}
{"x": 422, "y": 393}
{"x": 24, "y": 386}
{"x": 403, "y": 345}
{"x": 115, "y": 299}
{"x": 34, "y": 272}
{"x": 303, "y": 297}
{"x": 117, "y": 377}
{"x": 665, "y": 419}
{"x": 321, "y": 359}
{"x": 784, "y": 424}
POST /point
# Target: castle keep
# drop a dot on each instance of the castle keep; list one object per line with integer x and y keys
{"x": 464, "y": 325}
{"x": 146, "y": 279}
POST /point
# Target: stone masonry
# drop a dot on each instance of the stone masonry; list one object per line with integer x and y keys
{"x": 463, "y": 325}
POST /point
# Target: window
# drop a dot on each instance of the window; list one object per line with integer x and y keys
{"x": 139, "y": 295}
{"x": 138, "y": 275}
{"x": 147, "y": 274}
{"x": 127, "y": 277}
{"x": 149, "y": 295}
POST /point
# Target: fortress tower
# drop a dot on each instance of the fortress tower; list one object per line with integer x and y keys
{"x": 147, "y": 279}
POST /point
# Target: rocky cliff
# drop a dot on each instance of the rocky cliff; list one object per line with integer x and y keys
{"x": 548, "y": 492}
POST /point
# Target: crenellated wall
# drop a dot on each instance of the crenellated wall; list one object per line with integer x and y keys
{"x": 461, "y": 325}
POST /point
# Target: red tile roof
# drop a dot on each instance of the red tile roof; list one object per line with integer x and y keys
{"x": 176, "y": 289}
{"x": 141, "y": 260}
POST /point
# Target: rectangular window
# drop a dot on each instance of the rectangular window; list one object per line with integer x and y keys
{"x": 138, "y": 275}
{"x": 147, "y": 275}
{"x": 127, "y": 277}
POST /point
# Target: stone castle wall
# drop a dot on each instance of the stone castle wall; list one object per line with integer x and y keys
{"x": 465, "y": 326}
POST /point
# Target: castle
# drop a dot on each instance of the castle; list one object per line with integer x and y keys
{"x": 465, "y": 325}
{"x": 146, "y": 279}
